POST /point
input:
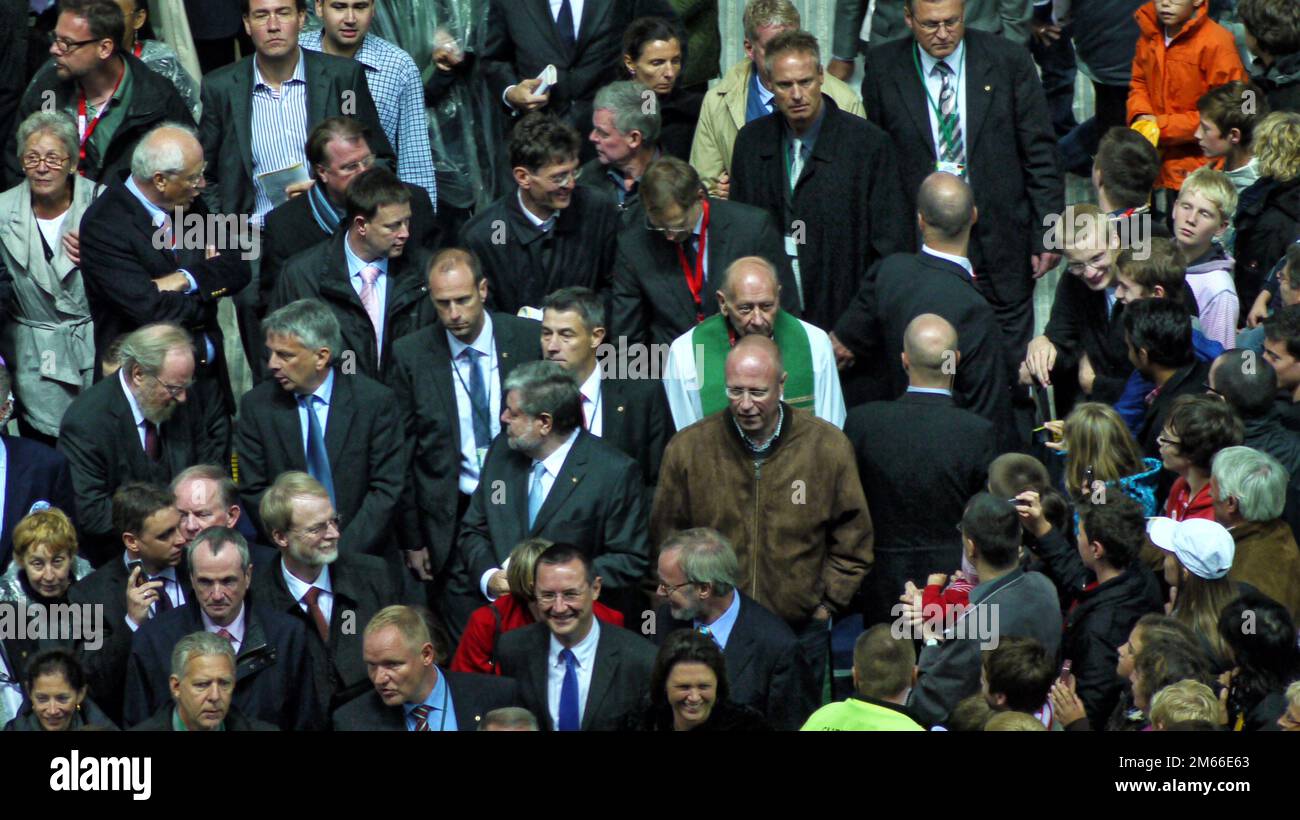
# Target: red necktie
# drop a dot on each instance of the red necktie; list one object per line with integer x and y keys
{"x": 421, "y": 715}
{"x": 317, "y": 615}
{"x": 151, "y": 448}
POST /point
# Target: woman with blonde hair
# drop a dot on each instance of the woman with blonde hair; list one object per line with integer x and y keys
{"x": 1098, "y": 447}
{"x": 45, "y": 561}
{"x": 1268, "y": 210}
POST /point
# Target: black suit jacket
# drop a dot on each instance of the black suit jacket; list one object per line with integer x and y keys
{"x": 636, "y": 420}
{"x": 362, "y": 585}
{"x": 1187, "y": 381}
{"x": 620, "y": 676}
{"x": 764, "y": 668}
{"x": 846, "y": 208}
{"x": 903, "y": 287}
{"x": 363, "y": 440}
{"x": 1011, "y": 157}
{"x": 119, "y": 262}
{"x": 106, "y": 664}
{"x": 510, "y": 248}
{"x": 33, "y": 473}
{"x": 651, "y": 302}
{"x": 226, "y": 129}
{"x": 275, "y": 670}
{"x": 102, "y": 444}
{"x": 290, "y": 228}
{"x": 944, "y": 452}
{"x": 236, "y": 721}
{"x": 421, "y": 378}
{"x": 321, "y": 272}
{"x": 472, "y": 697}
{"x": 521, "y": 40}
{"x": 597, "y": 503}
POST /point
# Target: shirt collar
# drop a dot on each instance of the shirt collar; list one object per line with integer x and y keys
{"x": 483, "y": 343}
{"x": 584, "y": 651}
{"x": 934, "y": 391}
{"x": 236, "y": 627}
{"x": 764, "y": 96}
{"x": 356, "y": 263}
{"x": 951, "y": 257}
{"x": 367, "y": 54}
{"x": 532, "y": 217}
{"x": 299, "y": 74}
{"x": 953, "y": 60}
{"x": 156, "y": 214}
{"x": 749, "y": 442}
{"x": 298, "y": 587}
{"x": 809, "y": 137}
{"x": 436, "y": 696}
{"x": 590, "y": 389}
{"x": 720, "y": 629}
{"x": 555, "y": 460}
{"x": 136, "y": 412}
{"x": 326, "y": 390}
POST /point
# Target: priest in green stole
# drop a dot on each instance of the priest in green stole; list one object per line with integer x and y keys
{"x": 749, "y": 303}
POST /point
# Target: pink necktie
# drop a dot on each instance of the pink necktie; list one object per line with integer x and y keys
{"x": 370, "y": 298}
{"x": 586, "y": 413}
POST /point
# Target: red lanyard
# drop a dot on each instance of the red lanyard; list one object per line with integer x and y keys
{"x": 695, "y": 278}
{"x": 85, "y": 129}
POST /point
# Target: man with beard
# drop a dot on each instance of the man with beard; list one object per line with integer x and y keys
{"x": 330, "y": 593}
{"x": 550, "y": 478}
{"x": 749, "y": 304}
{"x": 137, "y": 426}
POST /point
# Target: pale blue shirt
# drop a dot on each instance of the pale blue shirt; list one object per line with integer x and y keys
{"x": 355, "y": 266}
{"x": 720, "y": 630}
{"x": 322, "y": 408}
{"x": 438, "y": 719}
{"x": 298, "y": 589}
{"x": 934, "y": 84}
{"x": 585, "y": 654}
{"x": 485, "y": 344}
{"x": 933, "y": 391}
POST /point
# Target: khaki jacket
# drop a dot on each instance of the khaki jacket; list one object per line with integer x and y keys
{"x": 1268, "y": 559}
{"x": 723, "y": 115}
{"x": 798, "y": 520}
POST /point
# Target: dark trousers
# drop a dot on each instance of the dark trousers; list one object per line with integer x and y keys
{"x": 1080, "y": 145}
{"x": 1058, "y": 69}
{"x": 814, "y": 638}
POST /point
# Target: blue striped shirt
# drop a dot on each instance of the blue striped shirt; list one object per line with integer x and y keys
{"x": 395, "y": 85}
{"x": 279, "y": 128}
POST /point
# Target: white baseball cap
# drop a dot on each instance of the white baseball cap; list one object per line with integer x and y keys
{"x": 1204, "y": 547}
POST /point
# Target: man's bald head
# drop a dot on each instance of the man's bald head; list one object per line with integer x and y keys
{"x": 167, "y": 165}
{"x": 930, "y": 348}
{"x": 750, "y": 296}
{"x": 946, "y": 205}
{"x": 755, "y": 375}
{"x": 756, "y": 351}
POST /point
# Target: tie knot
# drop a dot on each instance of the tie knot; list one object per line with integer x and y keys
{"x": 539, "y": 470}
{"x": 568, "y": 657}
{"x": 369, "y": 274}
{"x": 942, "y": 69}
{"x": 311, "y": 595}
{"x": 422, "y": 711}
{"x": 470, "y": 354}
{"x": 225, "y": 633}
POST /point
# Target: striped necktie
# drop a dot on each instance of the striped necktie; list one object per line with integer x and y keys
{"x": 951, "y": 146}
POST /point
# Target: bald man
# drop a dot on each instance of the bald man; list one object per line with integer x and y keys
{"x": 781, "y": 484}
{"x": 145, "y": 257}
{"x": 749, "y": 304}
{"x": 942, "y": 450}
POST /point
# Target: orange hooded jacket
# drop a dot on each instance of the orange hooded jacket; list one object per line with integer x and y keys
{"x": 1168, "y": 80}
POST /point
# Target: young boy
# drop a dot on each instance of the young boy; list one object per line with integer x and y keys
{"x": 1180, "y": 55}
{"x": 1201, "y": 215}
{"x": 1227, "y": 127}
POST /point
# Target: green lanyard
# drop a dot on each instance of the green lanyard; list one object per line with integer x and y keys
{"x": 945, "y": 125}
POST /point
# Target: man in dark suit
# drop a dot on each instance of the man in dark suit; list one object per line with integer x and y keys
{"x": 202, "y": 688}
{"x": 207, "y": 497}
{"x": 138, "y": 426}
{"x": 274, "y": 662}
{"x": 329, "y": 592}
{"x": 549, "y": 478}
{"x": 581, "y": 38}
{"x": 145, "y": 580}
{"x": 342, "y": 429}
{"x": 338, "y": 149}
{"x": 999, "y": 138}
{"x": 366, "y": 273}
{"x": 1160, "y": 347}
{"x": 938, "y": 280}
{"x": 573, "y": 672}
{"x": 548, "y": 232}
{"x": 123, "y": 98}
{"x": 625, "y": 410}
{"x": 447, "y": 379}
{"x": 827, "y": 178}
{"x": 141, "y": 265}
{"x": 411, "y": 692}
{"x": 943, "y": 451}
{"x": 34, "y": 477}
{"x": 698, "y": 572}
{"x": 661, "y": 285}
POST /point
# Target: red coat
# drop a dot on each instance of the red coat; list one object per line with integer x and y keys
{"x": 1168, "y": 80}
{"x": 486, "y": 624}
{"x": 1180, "y": 508}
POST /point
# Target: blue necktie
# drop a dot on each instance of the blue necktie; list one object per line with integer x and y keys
{"x": 535, "y": 494}
{"x": 480, "y": 413}
{"x": 564, "y": 26}
{"x": 318, "y": 462}
{"x": 569, "y": 693}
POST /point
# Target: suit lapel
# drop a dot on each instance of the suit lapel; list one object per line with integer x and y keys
{"x": 319, "y": 92}
{"x": 979, "y": 88}
{"x": 241, "y": 104}
{"x": 593, "y": 19}
{"x": 738, "y": 101}
{"x": 915, "y": 100}
{"x": 613, "y": 415}
{"x": 570, "y": 476}
{"x": 533, "y": 678}
{"x": 740, "y": 643}
{"x": 338, "y": 423}
{"x": 438, "y": 365}
{"x": 288, "y": 427}
{"x": 541, "y": 13}
{"x": 127, "y": 431}
{"x": 602, "y": 676}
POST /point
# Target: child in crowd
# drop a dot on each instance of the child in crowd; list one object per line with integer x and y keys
{"x": 1226, "y": 131}
{"x": 1202, "y": 214}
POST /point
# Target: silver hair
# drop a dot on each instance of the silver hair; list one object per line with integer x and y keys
{"x": 627, "y": 101}
{"x": 216, "y": 539}
{"x": 546, "y": 387}
{"x": 55, "y": 123}
{"x": 208, "y": 472}
{"x": 707, "y": 557}
{"x": 148, "y": 347}
{"x": 197, "y": 645}
{"x": 1257, "y": 480}
{"x": 155, "y": 155}
{"x": 311, "y": 321}
{"x": 509, "y": 717}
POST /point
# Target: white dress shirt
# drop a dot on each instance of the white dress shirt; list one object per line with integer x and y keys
{"x": 576, "y": 6}
{"x": 298, "y": 589}
{"x": 585, "y": 653}
{"x": 951, "y": 257}
{"x": 591, "y": 403}
{"x": 485, "y": 344}
{"x": 321, "y": 408}
{"x": 355, "y": 266}
{"x": 236, "y": 628}
{"x": 136, "y": 412}
{"x": 934, "y": 84}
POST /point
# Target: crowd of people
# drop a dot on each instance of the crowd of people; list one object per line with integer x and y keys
{"x": 716, "y": 371}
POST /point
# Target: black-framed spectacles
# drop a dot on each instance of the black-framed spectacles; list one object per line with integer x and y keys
{"x": 62, "y": 46}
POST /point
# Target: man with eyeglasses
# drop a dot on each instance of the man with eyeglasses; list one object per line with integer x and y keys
{"x": 549, "y": 232}
{"x": 782, "y": 486}
{"x": 332, "y": 593}
{"x": 673, "y": 252}
{"x": 275, "y": 662}
{"x": 749, "y": 304}
{"x": 112, "y": 95}
{"x": 144, "y": 424}
{"x": 141, "y": 260}
{"x": 970, "y": 103}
